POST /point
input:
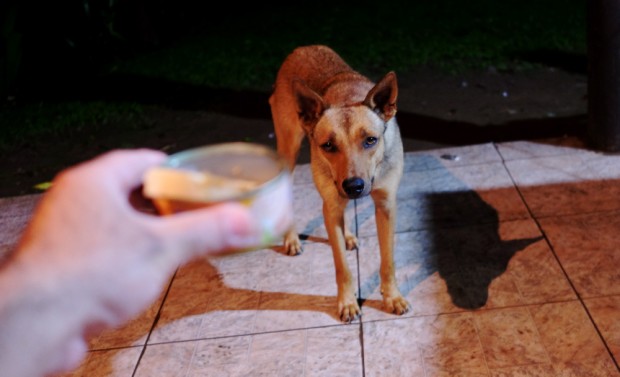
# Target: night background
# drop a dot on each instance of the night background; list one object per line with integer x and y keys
{"x": 82, "y": 77}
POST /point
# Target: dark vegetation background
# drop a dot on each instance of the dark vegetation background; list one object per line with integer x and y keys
{"x": 79, "y": 77}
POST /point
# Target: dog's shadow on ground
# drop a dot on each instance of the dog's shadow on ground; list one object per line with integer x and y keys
{"x": 468, "y": 258}
{"x": 458, "y": 233}
{"x": 218, "y": 294}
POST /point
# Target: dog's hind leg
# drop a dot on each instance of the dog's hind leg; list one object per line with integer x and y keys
{"x": 289, "y": 151}
{"x": 289, "y": 141}
{"x": 350, "y": 239}
{"x": 289, "y": 136}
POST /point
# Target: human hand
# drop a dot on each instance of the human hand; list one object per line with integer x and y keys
{"x": 89, "y": 260}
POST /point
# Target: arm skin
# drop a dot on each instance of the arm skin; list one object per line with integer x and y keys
{"x": 88, "y": 260}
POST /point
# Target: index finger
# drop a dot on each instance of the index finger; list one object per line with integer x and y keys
{"x": 127, "y": 167}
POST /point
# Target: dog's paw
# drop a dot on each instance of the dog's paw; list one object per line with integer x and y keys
{"x": 396, "y": 305}
{"x": 349, "y": 310}
{"x": 292, "y": 244}
{"x": 351, "y": 242}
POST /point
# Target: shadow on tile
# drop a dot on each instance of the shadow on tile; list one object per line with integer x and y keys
{"x": 463, "y": 244}
{"x": 468, "y": 258}
{"x": 201, "y": 304}
{"x": 472, "y": 257}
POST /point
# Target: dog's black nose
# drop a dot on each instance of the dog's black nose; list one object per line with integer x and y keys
{"x": 353, "y": 187}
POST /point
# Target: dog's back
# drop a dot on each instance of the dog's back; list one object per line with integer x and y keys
{"x": 323, "y": 71}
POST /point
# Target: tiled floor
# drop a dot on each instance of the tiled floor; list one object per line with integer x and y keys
{"x": 509, "y": 254}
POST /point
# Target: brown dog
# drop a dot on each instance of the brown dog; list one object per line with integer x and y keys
{"x": 355, "y": 150}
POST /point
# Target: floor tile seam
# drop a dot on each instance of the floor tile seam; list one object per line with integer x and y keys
{"x": 547, "y": 353}
{"x": 484, "y": 353}
{"x": 573, "y": 178}
{"x": 596, "y": 297}
{"x": 248, "y": 350}
{"x": 542, "y": 232}
{"x": 516, "y": 159}
{"x": 258, "y": 305}
{"x": 472, "y": 312}
{"x": 416, "y": 344}
{"x": 555, "y": 254}
{"x": 573, "y": 151}
{"x": 597, "y": 330}
{"x": 521, "y": 365}
{"x": 191, "y": 360}
{"x": 362, "y": 346}
{"x": 425, "y": 366}
{"x": 155, "y": 321}
{"x": 480, "y": 310}
{"x": 601, "y": 336}
{"x": 506, "y": 161}
{"x": 475, "y": 324}
{"x": 250, "y": 334}
{"x": 359, "y": 288}
{"x": 305, "y": 366}
{"x": 574, "y": 215}
{"x": 566, "y": 275}
{"x": 457, "y": 226}
{"x": 116, "y": 348}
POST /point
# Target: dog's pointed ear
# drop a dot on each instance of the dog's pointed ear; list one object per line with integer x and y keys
{"x": 310, "y": 105}
{"x": 382, "y": 97}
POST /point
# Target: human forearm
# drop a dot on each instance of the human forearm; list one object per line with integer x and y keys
{"x": 38, "y": 316}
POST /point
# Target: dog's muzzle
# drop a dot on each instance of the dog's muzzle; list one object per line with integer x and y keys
{"x": 353, "y": 187}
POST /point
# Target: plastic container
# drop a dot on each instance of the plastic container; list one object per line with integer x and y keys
{"x": 251, "y": 174}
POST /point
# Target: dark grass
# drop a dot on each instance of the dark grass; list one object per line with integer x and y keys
{"x": 245, "y": 51}
{"x": 241, "y": 48}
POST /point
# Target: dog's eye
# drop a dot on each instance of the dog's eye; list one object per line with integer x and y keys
{"x": 328, "y": 147}
{"x": 370, "y": 141}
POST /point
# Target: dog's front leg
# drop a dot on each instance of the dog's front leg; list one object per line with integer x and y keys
{"x": 333, "y": 213}
{"x": 385, "y": 214}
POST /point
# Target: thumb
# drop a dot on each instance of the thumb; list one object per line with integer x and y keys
{"x": 209, "y": 231}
